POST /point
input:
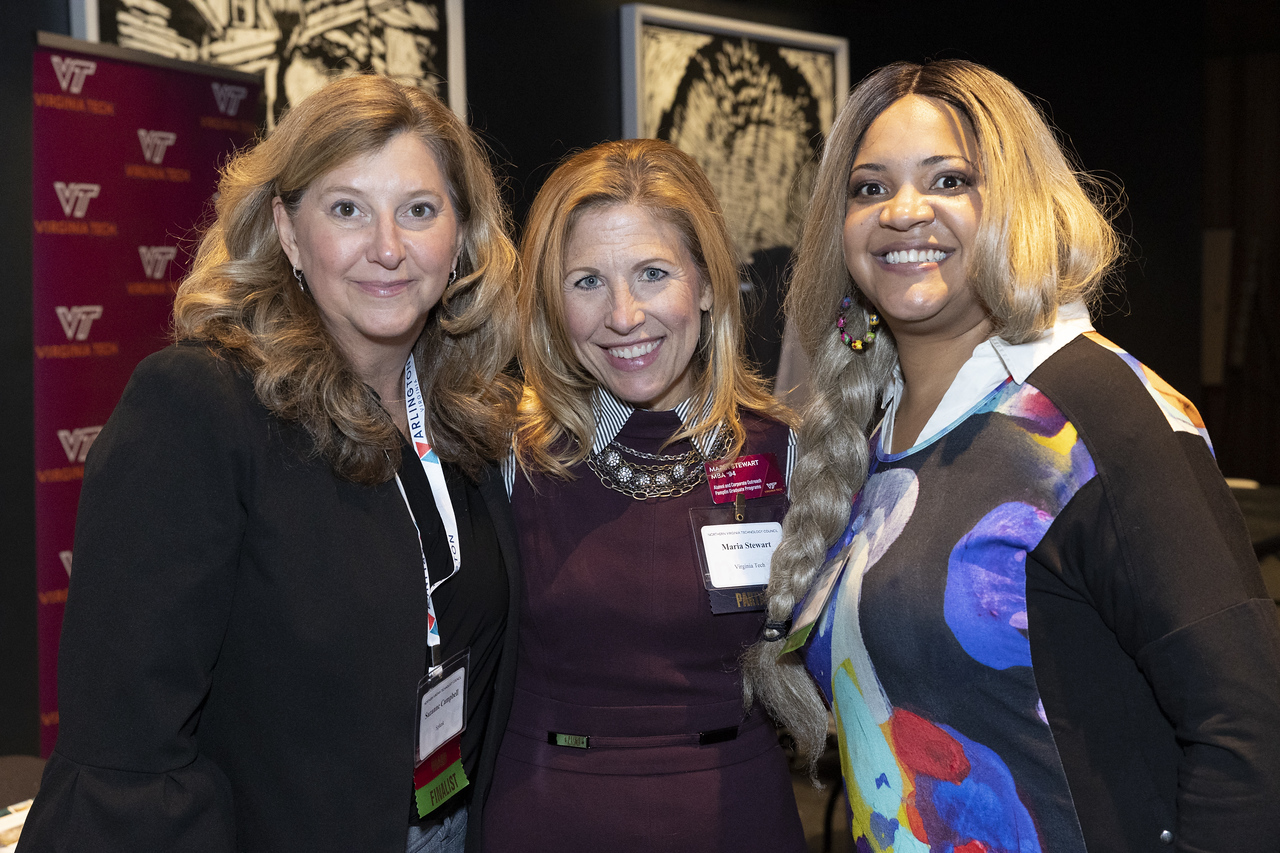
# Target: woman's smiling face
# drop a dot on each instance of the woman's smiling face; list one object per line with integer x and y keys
{"x": 633, "y": 304}
{"x": 376, "y": 238}
{"x": 915, "y": 205}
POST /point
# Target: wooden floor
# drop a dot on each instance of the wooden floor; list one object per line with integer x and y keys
{"x": 812, "y": 804}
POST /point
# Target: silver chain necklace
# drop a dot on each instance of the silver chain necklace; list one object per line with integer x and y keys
{"x": 673, "y": 475}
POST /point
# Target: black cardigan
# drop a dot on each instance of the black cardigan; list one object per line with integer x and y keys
{"x": 243, "y": 637}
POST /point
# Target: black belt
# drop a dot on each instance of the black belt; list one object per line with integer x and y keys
{"x": 584, "y": 741}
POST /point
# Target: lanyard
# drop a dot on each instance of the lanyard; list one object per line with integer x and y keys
{"x": 439, "y": 491}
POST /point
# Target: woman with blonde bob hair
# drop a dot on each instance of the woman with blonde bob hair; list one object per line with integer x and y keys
{"x": 627, "y": 731}
{"x": 260, "y": 614}
{"x": 1026, "y": 596}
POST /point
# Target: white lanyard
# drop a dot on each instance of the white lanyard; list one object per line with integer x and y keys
{"x": 439, "y": 491}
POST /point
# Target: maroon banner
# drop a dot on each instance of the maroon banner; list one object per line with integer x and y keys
{"x": 125, "y": 164}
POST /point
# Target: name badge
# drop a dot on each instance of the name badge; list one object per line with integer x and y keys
{"x": 739, "y": 554}
{"x": 750, "y": 476}
{"x": 815, "y": 601}
{"x": 442, "y": 717}
{"x": 735, "y": 546}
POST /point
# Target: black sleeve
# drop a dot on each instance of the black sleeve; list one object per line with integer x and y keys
{"x": 158, "y": 533}
{"x": 494, "y": 492}
{"x": 1162, "y": 553}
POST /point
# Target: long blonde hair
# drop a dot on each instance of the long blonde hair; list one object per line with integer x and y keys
{"x": 555, "y": 425}
{"x": 241, "y": 294}
{"x": 1044, "y": 240}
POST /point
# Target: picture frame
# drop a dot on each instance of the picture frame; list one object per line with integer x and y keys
{"x": 638, "y": 88}
{"x": 420, "y": 43}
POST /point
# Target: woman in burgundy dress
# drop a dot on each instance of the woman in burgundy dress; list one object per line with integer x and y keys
{"x": 628, "y": 729}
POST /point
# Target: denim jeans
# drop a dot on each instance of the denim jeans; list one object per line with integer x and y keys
{"x": 448, "y": 836}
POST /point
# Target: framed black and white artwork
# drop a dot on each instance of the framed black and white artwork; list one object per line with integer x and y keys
{"x": 751, "y": 103}
{"x": 296, "y": 45}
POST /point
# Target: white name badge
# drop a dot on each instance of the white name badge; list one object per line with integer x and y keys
{"x": 739, "y": 554}
{"x": 442, "y": 710}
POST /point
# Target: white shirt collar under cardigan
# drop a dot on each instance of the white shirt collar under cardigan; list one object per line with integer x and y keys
{"x": 993, "y": 361}
{"x": 611, "y": 414}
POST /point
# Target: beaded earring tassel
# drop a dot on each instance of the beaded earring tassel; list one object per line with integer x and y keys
{"x": 856, "y": 344}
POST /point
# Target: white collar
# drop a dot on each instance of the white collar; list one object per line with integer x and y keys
{"x": 993, "y": 361}
{"x": 611, "y": 414}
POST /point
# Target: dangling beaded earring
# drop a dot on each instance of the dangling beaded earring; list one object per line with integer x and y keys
{"x": 453, "y": 275}
{"x": 857, "y": 344}
{"x": 297, "y": 274}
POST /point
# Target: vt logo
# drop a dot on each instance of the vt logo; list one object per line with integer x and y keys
{"x": 65, "y": 557}
{"x": 77, "y": 319}
{"x": 76, "y": 442}
{"x": 71, "y": 72}
{"x": 154, "y": 144}
{"x": 155, "y": 259}
{"x": 75, "y": 198}
{"x": 229, "y": 97}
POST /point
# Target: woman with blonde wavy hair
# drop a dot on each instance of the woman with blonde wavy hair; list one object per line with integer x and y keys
{"x": 627, "y": 732}
{"x": 1026, "y": 596}
{"x": 291, "y": 531}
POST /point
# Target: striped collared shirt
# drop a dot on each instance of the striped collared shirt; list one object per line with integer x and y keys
{"x": 611, "y": 414}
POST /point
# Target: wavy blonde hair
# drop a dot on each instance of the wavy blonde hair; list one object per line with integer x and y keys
{"x": 555, "y": 426}
{"x": 242, "y": 297}
{"x": 1044, "y": 240}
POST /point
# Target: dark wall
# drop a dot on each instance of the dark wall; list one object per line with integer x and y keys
{"x": 545, "y": 79}
{"x": 1242, "y": 203}
{"x": 1121, "y": 80}
{"x": 19, "y": 724}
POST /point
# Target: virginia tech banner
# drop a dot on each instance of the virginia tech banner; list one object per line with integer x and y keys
{"x": 125, "y": 164}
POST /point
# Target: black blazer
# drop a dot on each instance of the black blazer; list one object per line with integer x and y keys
{"x": 243, "y": 638}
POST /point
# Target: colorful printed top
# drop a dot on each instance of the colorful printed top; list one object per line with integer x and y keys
{"x": 1051, "y": 633}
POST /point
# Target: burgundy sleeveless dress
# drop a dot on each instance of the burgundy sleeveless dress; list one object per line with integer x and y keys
{"x": 618, "y": 644}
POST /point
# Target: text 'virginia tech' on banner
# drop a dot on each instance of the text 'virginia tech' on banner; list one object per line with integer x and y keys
{"x": 126, "y": 153}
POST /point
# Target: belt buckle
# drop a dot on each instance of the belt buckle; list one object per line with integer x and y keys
{"x": 574, "y": 741}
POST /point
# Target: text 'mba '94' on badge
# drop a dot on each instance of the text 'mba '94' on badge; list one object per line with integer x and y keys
{"x": 751, "y": 476}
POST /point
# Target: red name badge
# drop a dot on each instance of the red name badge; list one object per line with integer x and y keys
{"x": 750, "y": 476}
